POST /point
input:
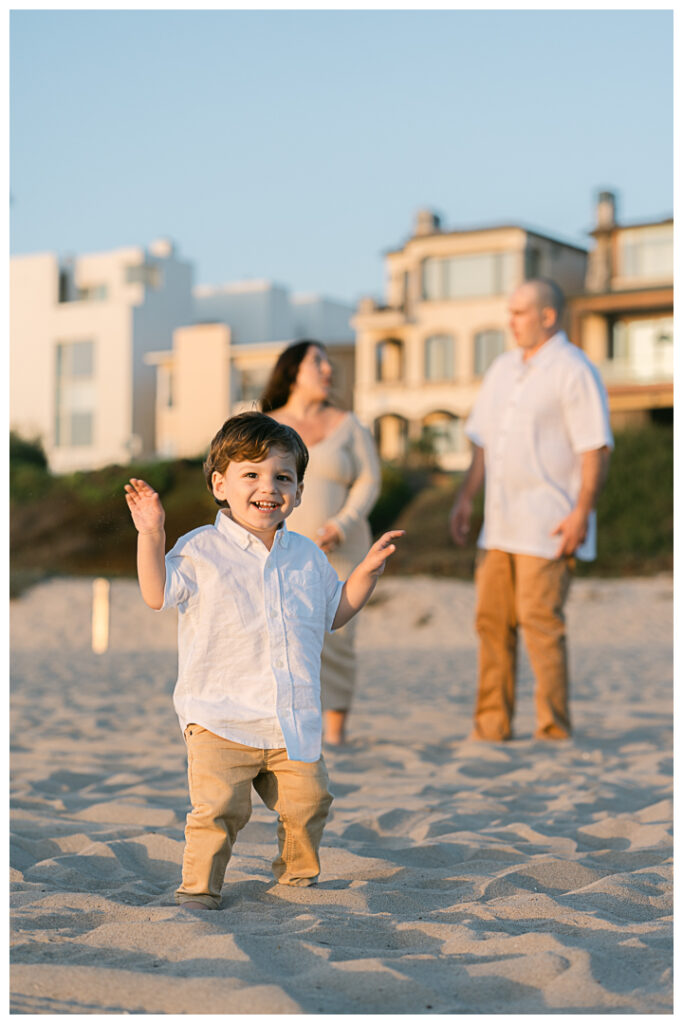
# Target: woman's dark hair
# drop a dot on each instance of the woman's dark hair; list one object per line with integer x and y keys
{"x": 284, "y": 373}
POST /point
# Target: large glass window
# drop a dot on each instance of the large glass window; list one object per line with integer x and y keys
{"x": 647, "y": 254}
{"x": 75, "y": 394}
{"x": 463, "y": 277}
{"x": 439, "y": 357}
{"x": 487, "y": 346}
{"x": 642, "y": 349}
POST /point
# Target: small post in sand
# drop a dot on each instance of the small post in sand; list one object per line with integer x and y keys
{"x": 100, "y": 615}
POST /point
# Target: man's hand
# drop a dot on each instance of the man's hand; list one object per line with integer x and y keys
{"x": 572, "y": 531}
{"x": 461, "y": 515}
{"x": 329, "y": 538}
{"x": 145, "y": 506}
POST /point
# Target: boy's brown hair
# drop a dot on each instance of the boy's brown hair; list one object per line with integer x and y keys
{"x": 248, "y": 437}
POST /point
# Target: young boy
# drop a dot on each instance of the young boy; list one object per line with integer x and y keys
{"x": 254, "y": 602}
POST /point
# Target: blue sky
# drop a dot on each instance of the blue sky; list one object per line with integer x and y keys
{"x": 297, "y": 145}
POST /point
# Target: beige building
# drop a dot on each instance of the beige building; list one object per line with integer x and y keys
{"x": 420, "y": 357}
{"x": 205, "y": 377}
{"x": 623, "y": 318}
{"x": 79, "y": 333}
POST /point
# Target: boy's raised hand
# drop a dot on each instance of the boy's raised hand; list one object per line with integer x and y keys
{"x": 145, "y": 506}
{"x": 376, "y": 558}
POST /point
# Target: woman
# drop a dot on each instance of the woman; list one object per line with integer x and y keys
{"x": 342, "y": 485}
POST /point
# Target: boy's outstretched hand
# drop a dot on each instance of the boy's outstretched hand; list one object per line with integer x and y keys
{"x": 362, "y": 580}
{"x": 145, "y": 506}
{"x": 376, "y": 559}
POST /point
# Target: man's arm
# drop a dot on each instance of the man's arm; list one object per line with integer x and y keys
{"x": 573, "y": 528}
{"x": 461, "y": 513}
{"x": 362, "y": 581}
{"x": 148, "y": 515}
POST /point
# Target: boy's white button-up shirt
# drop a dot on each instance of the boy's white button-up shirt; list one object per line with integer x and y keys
{"x": 534, "y": 419}
{"x": 251, "y": 624}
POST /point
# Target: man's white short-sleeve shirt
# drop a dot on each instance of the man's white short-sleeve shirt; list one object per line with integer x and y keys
{"x": 251, "y": 624}
{"x": 534, "y": 419}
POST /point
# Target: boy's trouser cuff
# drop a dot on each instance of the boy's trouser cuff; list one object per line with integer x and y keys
{"x": 208, "y": 901}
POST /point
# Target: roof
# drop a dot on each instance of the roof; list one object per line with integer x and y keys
{"x": 489, "y": 227}
{"x": 632, "y": 224}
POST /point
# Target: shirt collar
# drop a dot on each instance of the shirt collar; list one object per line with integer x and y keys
{"x": 546, "y": 351}
{"x": 227, "y": 525}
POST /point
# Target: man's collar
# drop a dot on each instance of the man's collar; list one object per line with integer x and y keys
{"x": 227, "y": 525}
{"x": 545, "y": 351}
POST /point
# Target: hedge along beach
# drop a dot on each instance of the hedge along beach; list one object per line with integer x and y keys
{"x": 466, "y": 878}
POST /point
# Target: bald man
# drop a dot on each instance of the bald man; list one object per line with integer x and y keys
{"x": 541, "y": 442}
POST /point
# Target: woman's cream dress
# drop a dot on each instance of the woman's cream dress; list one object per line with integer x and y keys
{"x": 341, "y": 485}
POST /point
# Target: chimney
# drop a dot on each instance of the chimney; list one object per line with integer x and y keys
{"x": 427, "y": 223}
{"x": 600, "y": 270}
{"x": 606, "y": 213}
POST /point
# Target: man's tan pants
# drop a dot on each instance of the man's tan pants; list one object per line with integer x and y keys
{"x": 221, "y": 774}
{"x": 513, "y": 591}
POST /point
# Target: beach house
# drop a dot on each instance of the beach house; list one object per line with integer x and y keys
{"x": 80, "y": 330}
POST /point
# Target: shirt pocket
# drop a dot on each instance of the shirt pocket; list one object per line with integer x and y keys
{"x": 303, "y": 595}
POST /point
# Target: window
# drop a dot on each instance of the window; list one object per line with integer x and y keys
{"x": 391, "y": 435}
{"x": 389, "y": 360}
{"x": 487, "y": 346}
{"x": 165, "y": 387}
{"x": 70, "y": 292}
{"x": 439, "y": 357}
{"x": 647, "y": 254}
{"x": 74, "y": 394}
{"x": 532, "y": 263}
{"x": 444, "y": 433}
{"x": 147, "y": 274}
{"x": 642, "y": 349}
{"x": 251, "y": 382}
{"x": 64, "y": 286}
{"x": 92, "y": 293}
{"x": 463, "y": 277}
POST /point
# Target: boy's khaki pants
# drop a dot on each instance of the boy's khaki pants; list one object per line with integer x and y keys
{"x": 221, "y": 774}
{"x": 521, "y": 590}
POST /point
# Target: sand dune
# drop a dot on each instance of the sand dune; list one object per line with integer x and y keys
{"x": 457, "y": 877}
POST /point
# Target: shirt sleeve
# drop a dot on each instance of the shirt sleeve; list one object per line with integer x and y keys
{"x": 365, "y": 488}
{"x": 475, "y": 425}
{"x": 332, "y": 587}
{"x": 181, "y": 579}
{"x": 586, "y": 410}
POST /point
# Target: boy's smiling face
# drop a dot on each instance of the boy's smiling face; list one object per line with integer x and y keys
{"x": 260, "y": 495}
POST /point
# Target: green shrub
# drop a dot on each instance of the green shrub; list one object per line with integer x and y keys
{"x": 26, "y": 452}
{"x": 29, "y": 477}
{"x": 399, "y": 485}
{"x": 636, "y": 510}
{"x": 107, "y": 484}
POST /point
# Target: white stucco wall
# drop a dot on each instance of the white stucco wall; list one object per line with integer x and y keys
{"x": 128, "y": 321}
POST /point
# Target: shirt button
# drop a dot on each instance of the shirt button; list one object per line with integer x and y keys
{"x": 278, "y": 663}
{"x": 273, "y": 613}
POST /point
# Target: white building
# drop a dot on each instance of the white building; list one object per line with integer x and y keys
{"x": 262, "y": 311}
{"x": 79, "y": 333}
{"x": 219, "y": 366}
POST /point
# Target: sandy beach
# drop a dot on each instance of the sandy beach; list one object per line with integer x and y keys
{"x": 458, "y": 877}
